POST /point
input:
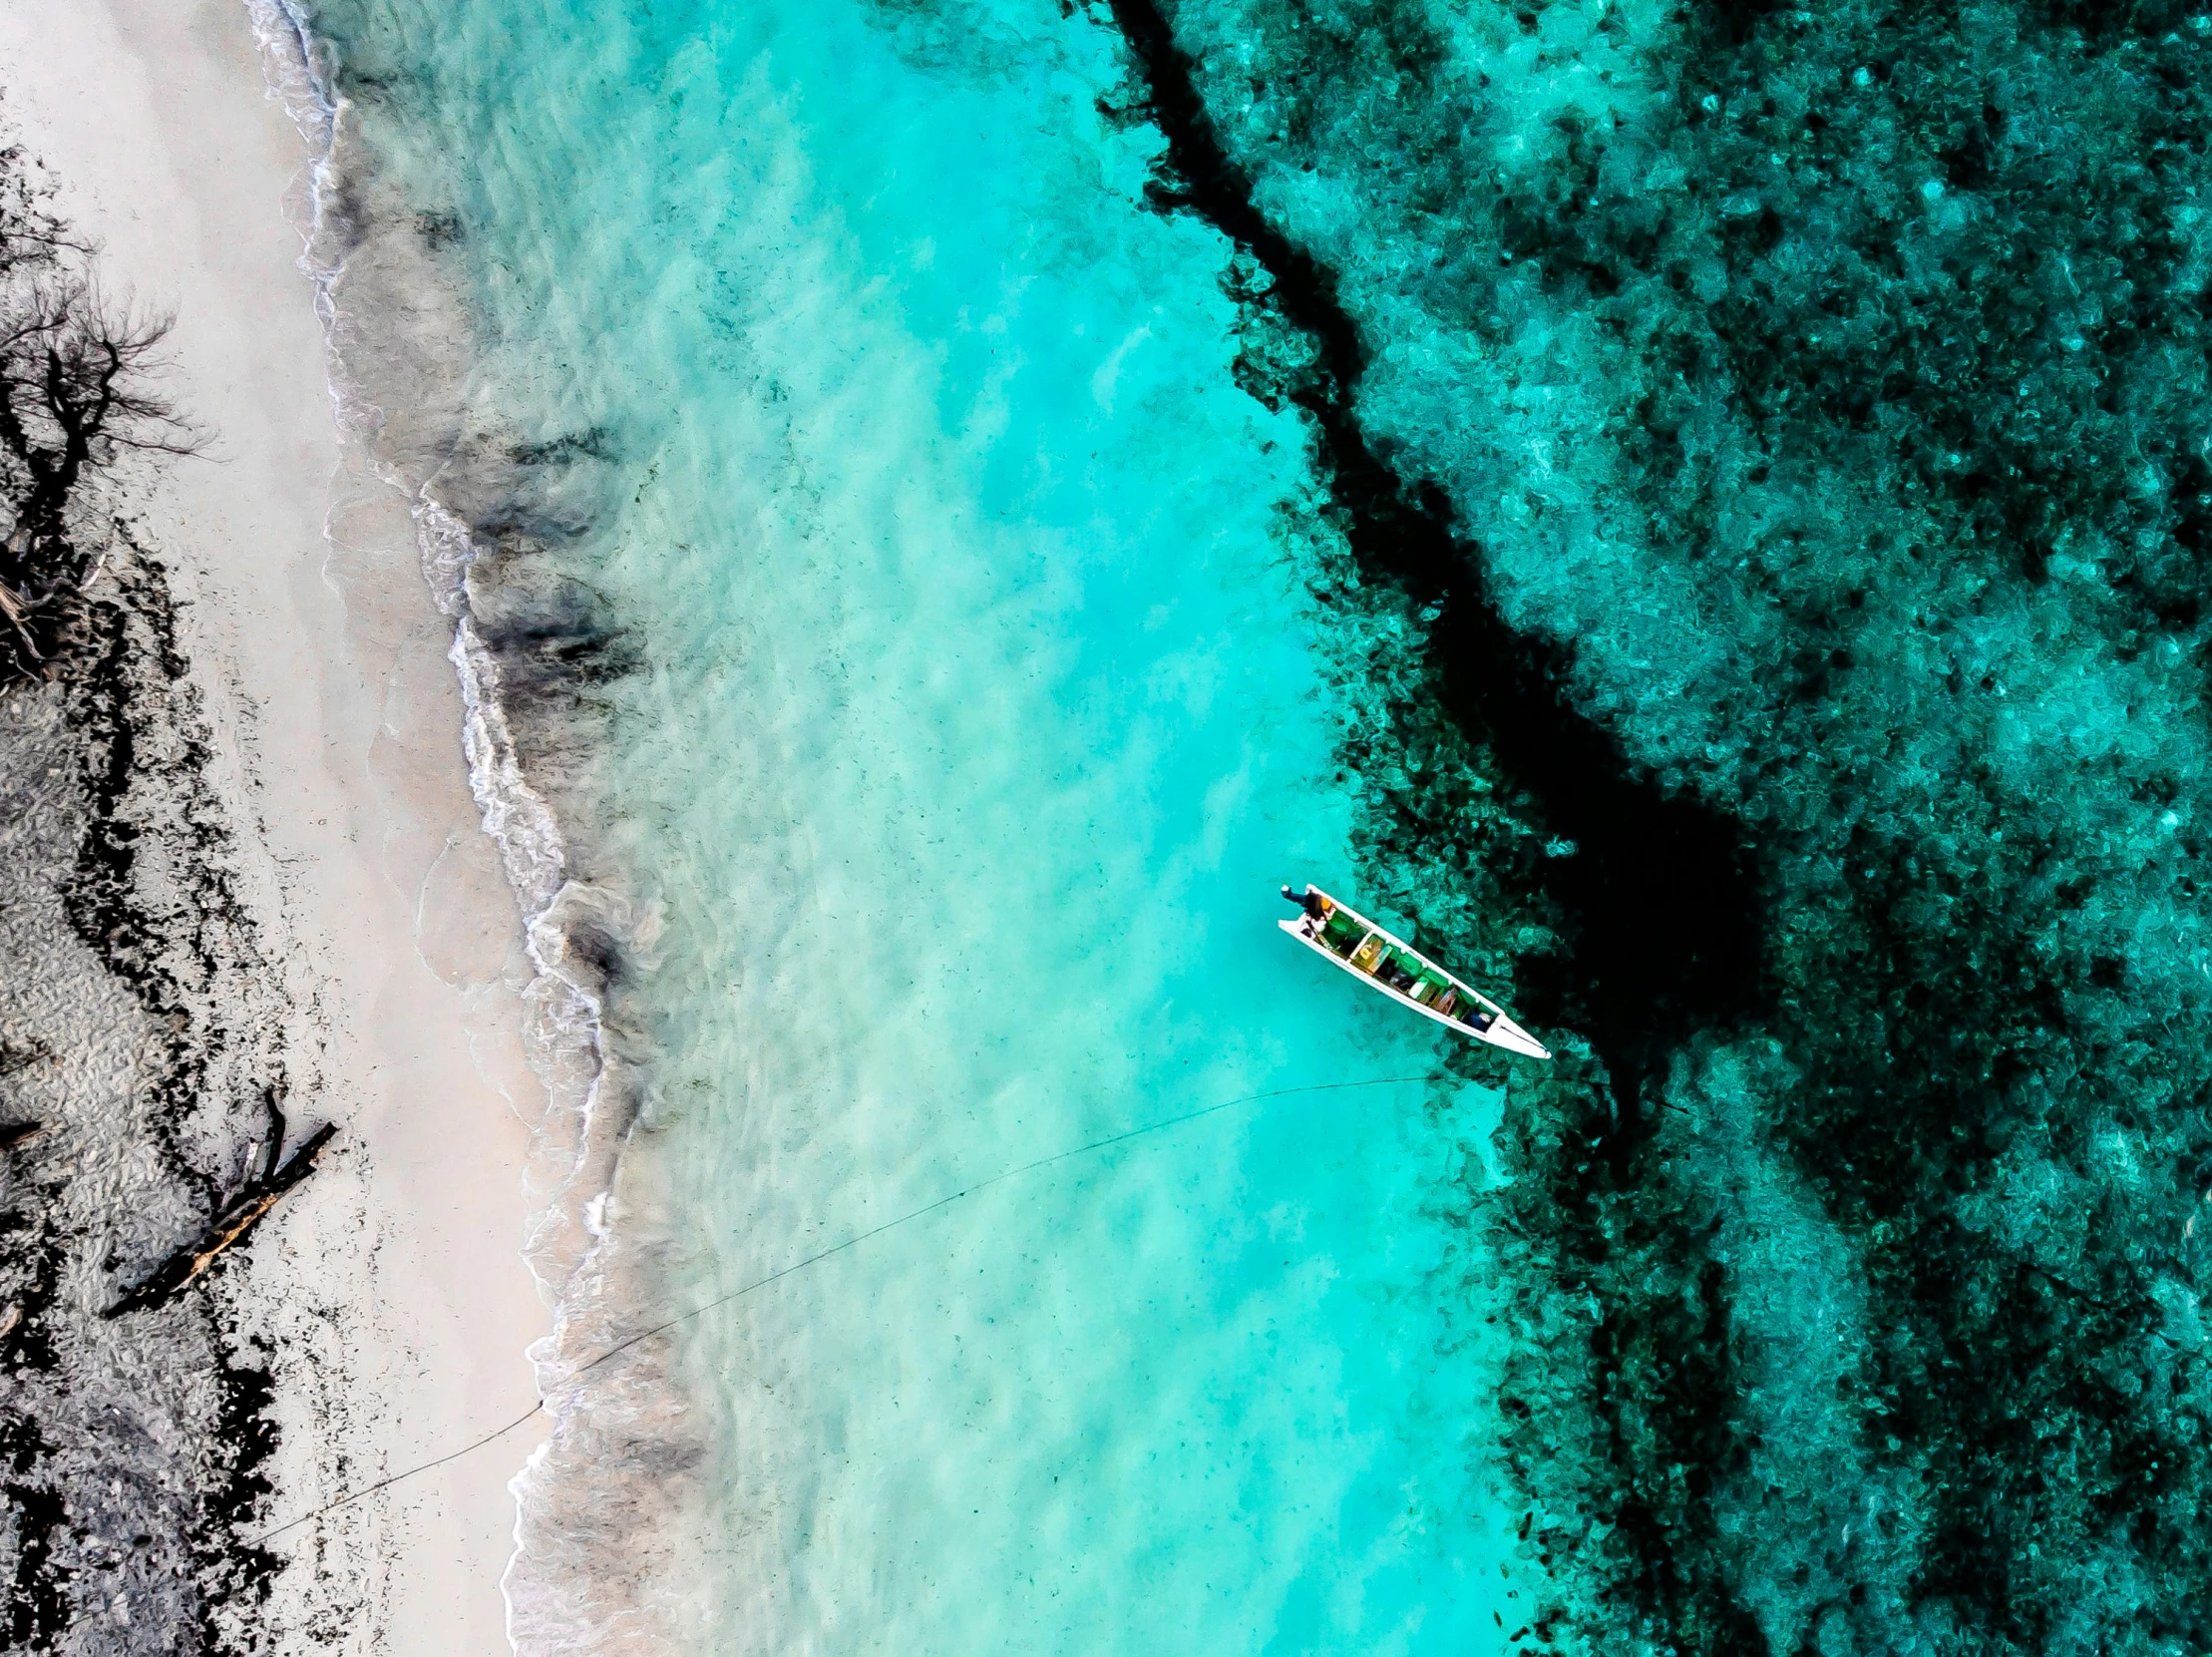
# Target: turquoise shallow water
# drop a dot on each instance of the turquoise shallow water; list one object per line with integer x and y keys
{"x": 1702, "y": 510}
{"x": 977, "y": 704}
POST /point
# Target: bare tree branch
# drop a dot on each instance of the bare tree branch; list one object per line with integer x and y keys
{"x": 78, "y": 377}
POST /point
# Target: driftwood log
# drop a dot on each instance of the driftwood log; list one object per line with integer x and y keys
{"x": 14, "y": 1058}
{"x": 231, "y": 1223}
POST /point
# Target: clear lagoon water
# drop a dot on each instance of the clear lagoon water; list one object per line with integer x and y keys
{"x": 979, "y": 703}
{"x": 1700, "y": 512}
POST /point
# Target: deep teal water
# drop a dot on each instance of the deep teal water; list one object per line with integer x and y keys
{"x": 1700, "y": 510}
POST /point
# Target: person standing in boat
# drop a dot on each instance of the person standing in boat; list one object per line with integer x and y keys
{"x": 1315, "y": 905}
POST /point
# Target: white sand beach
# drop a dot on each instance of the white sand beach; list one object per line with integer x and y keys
{"x": 391, "y": 1283}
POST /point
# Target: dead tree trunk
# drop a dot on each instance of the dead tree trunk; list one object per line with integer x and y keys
{"x": 76, "y": 395}
{"x": 231, "y": 1224}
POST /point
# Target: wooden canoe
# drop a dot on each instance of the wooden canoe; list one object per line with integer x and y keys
{"x": 1393, "y": 968}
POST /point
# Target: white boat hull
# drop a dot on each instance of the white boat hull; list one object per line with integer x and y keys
{"x": 1502, "y": 1031}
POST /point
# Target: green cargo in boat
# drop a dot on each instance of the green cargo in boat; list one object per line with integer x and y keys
{"x": 1402, "y": 972}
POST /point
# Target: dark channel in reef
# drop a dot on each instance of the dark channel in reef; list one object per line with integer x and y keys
{"x": 1658, "y": 907}
{"x": 1795, "y": 424}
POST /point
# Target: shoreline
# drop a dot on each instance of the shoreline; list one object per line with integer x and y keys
{"x": 527, "y": 645}
{"x": 392, "y": 1285}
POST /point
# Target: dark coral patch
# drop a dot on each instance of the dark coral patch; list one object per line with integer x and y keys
{"x": 1854, "y": 363}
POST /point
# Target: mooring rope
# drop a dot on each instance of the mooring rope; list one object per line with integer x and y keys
{"x": 854, "y": 1241}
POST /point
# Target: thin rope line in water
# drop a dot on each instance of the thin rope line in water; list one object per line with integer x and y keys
{"x": 854, "y": 1241}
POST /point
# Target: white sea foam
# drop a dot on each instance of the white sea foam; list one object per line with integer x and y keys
{"x": 288, "y": 64}
{"x": 553, "y": 1606}
{"x": 393, "y": 325}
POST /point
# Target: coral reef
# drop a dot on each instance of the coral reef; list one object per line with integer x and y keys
{"x": 1814, "y": 402}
